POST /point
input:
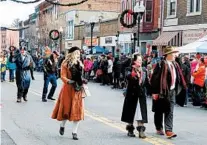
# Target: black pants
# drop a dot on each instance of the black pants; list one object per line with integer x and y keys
{"x": 21, "y": 93}
{"x": 168, "y": 116}
{"x": 110, "y": 76}
{"x": 105, "y": 79}
{"x": 197, "y": 95}
{"x": 116, "y": 80}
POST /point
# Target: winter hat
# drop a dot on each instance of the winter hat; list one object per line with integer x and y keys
{"x": 72, "y": 49}
{"x": 56, "y": 53}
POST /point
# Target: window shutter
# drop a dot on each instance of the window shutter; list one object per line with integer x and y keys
{"x": 168, "y": 7}
{"x": 188, "y": 6}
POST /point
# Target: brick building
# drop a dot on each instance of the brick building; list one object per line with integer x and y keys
{"x": 184, "y": 22}
{"x": 149, "y": 26}
{"x": 8, "y": 38}
{"x": 92, "y": 5}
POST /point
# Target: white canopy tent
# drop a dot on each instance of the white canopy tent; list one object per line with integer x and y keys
{"x": 197, "y": 46}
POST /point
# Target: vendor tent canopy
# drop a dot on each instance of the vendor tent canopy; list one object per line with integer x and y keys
{"x": 197, "y": 46}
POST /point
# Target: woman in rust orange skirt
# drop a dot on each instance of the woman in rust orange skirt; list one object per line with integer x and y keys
{"x": 70, "y": 102}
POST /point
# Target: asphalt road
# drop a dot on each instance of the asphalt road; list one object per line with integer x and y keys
{"x": 30, "y": 123}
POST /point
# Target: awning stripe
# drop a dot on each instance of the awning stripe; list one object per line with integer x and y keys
{"x": 164, "y": 38}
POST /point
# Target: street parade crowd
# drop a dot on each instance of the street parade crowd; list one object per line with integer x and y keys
{"x": 171, "y": 79}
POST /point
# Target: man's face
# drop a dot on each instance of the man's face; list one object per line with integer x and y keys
{"x": 23, "y": 52}
{"x": 171, "y": 57}
{"x": 55, "y": 56}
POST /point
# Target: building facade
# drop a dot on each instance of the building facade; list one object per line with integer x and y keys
{"x": 184, "y": 22}
{"x": 105, "y": 35}
{"x": 78, "y": 18}
{"x": 92, "y": 5}
{"x": 149, "y": 26}
{"x": 8, "y": 38}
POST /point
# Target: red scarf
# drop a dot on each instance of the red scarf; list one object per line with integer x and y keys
{"x": 164, "y": 84}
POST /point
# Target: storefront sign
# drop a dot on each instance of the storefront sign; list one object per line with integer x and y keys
{"x": 125, "y": 38}
{"x": 88, "y": 41}
{"x": 69, "y": 44}
{"x": 192, "y": 35}
{"x": 108, "y": 41}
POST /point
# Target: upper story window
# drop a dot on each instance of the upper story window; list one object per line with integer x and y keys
{"x": 70, "y": 30}
{"x": 171, "y": 8}
{"x": 149, "y": 10}
{"x": 194, "y": 7}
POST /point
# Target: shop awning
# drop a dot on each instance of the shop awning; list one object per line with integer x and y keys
{"x": 164, "y": 39}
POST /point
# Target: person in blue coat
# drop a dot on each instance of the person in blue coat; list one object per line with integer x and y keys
{"x": 23, "y": 61}
{"x": 12, "y": 67}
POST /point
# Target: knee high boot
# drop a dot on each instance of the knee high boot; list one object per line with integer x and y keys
{"x": 130, "y": 129}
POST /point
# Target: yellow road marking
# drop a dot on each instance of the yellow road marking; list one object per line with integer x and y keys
{"x": 150, "y": 139}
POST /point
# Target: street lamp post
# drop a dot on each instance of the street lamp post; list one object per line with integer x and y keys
{"x": 117, "y": 40}
{"x": 92, "y": 23}
{"x": 134, "y": 42}
{"x": 61, "y": 37}
{"x": 92, "y": 26}
{"x": 139, "y": 10}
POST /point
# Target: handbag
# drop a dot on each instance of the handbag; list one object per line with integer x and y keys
{"x": 86, "y": 92}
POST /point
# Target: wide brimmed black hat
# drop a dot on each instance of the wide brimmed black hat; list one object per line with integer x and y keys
{"x": 72, "y": 49}
{"x": 22, "y": 48}
{"x": 56, "y": 53}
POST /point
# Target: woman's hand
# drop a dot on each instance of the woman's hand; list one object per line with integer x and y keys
{"x": 71, "y": 81}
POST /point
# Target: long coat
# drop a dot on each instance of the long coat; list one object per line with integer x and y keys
{"x": 135, "y": 92}
{"x": 163, "y": 105}
{"x": 22, "y": 70}
{"x": 69, "y": 105}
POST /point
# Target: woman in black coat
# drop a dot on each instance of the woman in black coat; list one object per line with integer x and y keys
{"x": 135, "y": 93}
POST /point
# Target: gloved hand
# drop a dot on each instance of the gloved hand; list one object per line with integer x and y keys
{"x": 71, "y": 81}
{"x": 85, "y": 81}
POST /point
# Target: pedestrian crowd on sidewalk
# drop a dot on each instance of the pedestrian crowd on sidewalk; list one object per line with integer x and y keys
{"x": 168, "y": 80}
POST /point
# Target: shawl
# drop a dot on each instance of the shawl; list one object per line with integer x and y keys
{"x": 164, "y": 89}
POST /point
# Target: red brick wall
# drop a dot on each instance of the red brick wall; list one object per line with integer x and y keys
{"x": 99, "y": 5}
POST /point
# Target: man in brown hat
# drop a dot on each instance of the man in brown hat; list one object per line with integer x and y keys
{"x": 171, "y": 82}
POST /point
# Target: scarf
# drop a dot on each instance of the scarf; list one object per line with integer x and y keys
{"x": 164, "y": 89}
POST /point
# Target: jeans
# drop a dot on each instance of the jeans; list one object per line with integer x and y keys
{"x": 50, "y": 78}
{"x": 3, "y": 74}
{"x": 11, "y": 74}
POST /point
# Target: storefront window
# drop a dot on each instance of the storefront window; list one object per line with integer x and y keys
{"x": 148, "y": 11}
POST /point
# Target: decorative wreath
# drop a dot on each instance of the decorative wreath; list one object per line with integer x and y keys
{"x": 129, "y": 13}
{"x": 54, "y": 34}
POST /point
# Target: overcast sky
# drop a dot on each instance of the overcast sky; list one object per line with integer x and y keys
{"x": 11, "y": 10}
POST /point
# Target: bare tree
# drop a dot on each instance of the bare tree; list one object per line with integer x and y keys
{"x": 30, "y": 35}
{"x": 16, "y": 23}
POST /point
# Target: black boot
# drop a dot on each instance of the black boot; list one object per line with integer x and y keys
{"x": 130, "y": 129}
{"x": 141, "y": 130}
{"x": 75, "y": 136}
{"x": 62, "y": 130}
